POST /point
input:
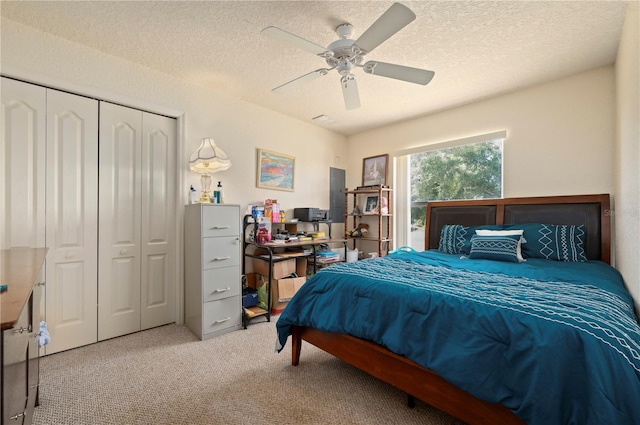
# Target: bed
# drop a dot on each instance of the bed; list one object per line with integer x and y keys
{"x": 489, "y": 342}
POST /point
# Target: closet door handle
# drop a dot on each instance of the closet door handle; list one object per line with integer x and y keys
{"x": 123, "y": 252}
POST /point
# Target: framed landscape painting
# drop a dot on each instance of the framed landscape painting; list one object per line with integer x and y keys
{"x": 374, "y": 170}
{"x": 275, "y": 170}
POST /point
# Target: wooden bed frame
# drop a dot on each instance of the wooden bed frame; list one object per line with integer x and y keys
{"x": 590, "y": 210}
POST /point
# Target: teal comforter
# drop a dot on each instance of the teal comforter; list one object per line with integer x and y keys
{"x": 555, "y": 342}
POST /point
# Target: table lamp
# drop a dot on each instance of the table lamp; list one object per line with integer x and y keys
{"x": 206, "y": 160}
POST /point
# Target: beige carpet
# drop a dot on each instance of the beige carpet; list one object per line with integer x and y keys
{"x": 167, "y": 376}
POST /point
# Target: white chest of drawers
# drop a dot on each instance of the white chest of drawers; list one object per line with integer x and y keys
{"x": 213, "y": 303}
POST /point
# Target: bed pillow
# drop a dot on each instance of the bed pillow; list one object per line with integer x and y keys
{"x": 495, "y": 247}
{"x": 456, "y": 239}
{"x": 553, "y": 242}
{"x": 518, "y": 232}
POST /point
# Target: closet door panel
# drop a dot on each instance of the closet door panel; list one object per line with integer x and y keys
{"x": 22, "y": 165}
{"x": 119, "y": 231}
{"x": 72, "y": 220}
{"x": 158, "y": 220}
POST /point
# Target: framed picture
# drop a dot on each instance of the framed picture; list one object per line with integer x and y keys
{"x": 275, "y": 170}
{"x": 371, "y": 206}
{"x": 374, "y": 170}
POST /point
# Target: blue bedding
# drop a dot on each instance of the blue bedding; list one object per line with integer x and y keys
{"x": 555, "y": 342}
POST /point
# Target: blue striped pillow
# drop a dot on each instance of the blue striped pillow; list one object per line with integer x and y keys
{"x": 452, "y": 238}
{"x": 456, "y": 239}
{"x": 495, "y": 247}
{"x": 553, "y": 242}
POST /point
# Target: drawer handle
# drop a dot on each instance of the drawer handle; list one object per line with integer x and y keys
{"x": 221, "y": 258}
{"x": 18, "y": 416}
{"x": 222, "y": 290}
{"x": 21, "y": 330}
{"x": 222, "y": 320}
{"x": 220, "y": 227}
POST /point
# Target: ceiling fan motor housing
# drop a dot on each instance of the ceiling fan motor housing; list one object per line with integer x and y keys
{"x": 345, "y": 53}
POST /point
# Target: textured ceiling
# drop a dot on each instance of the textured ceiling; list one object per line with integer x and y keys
{"x": 477, "y": 49}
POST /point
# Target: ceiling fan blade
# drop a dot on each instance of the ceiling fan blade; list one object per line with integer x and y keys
{"x": 393, "y": 20}
{"x": 301, "y": 80}
{"x": 399, "y": 72}
{"x": 350, "y": 92}
{"x": 293, "y": 40}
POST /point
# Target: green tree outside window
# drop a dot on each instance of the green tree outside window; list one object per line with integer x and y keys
{"x": 462, "y": 172}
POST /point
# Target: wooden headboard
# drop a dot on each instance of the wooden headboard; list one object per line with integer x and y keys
{"x": 590, "y": 210}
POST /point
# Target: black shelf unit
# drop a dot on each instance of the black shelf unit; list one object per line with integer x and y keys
{"x": 269, "y": 252}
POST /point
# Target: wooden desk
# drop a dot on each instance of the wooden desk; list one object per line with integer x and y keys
{"x": 21, "y": 270}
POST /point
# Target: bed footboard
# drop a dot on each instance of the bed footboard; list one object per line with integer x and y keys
{"x": 405, "y": 375}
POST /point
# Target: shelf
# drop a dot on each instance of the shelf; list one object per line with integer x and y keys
{"x": 370, "y": 239}
{"x": 327, "y": 262}
{"x": 355, "y": 192}
{"x": 255, "y": 312}
{"x": 279, "y": 256}
{"x": 272, "y": 245}
{"x": 379, "y": 223}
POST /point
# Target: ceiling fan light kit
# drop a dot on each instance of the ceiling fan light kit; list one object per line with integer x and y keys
{"x": 345, "y": 54}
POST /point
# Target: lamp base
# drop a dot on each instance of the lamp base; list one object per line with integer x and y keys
{"x": 205, "y": 198}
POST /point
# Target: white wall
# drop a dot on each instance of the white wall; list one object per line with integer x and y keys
{"x": 560, "y": 135}
{"x": 627, "y": 193}
{"x": 238, "y": 127}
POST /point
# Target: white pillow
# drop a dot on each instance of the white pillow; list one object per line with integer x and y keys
{"x": 484, "y": 232}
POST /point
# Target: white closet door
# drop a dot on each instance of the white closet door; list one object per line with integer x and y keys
{"x": 158, "y": 220}
{"x": 72, "y": 220}
{"x": 22, "y": 165}
{"x": 119, "y": 229}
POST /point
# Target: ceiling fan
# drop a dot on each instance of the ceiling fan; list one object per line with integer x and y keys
{"x": 345, "y": 54}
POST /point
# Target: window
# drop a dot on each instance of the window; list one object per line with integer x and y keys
{"x": 463, "y": 169}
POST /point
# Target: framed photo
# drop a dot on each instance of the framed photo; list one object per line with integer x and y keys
{"x": 371, "y": 207}
{"x": 374, "y": 170}
{"x": 275, "y": 170}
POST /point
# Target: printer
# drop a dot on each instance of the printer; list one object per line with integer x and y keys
{"x": 311, "y": 214}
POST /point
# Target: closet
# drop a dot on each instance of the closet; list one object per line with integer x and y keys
{"x": 95, "y": 183}
{"x": 136, "y": 258}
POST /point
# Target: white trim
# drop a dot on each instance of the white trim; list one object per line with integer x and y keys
{"x": 402, "y": 179}
{"x": 402, "y": 212}
{"x": 181, "y": 201}
{"x": 450, "y": 143}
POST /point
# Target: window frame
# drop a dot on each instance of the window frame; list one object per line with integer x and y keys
{"x": 402, "y": 171}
